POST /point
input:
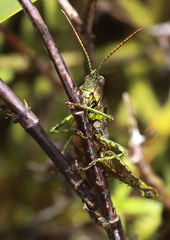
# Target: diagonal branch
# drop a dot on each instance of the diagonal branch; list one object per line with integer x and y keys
{"x": 95, "y": 195}
{"x": 69, "y": 85}
{"x": 23, "y": 115}
{"x": 89, "y": 15}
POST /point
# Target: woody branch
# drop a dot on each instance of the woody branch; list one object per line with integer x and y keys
{"x": 103, "y": 212}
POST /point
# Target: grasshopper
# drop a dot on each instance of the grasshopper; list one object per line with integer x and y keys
{"x": 109, "y": 152}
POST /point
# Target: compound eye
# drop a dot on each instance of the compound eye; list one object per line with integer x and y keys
{"x": 101, "y": 81}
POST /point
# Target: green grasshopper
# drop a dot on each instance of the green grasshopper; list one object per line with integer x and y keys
{"x": 109, "y": 152}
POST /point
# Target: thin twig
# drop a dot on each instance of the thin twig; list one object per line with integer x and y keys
{"x": 84, "y": 28}
{"x": 52, "y": 49}
{"x": 136, "y": 145}
{"x": 64, "y": 75}
{"x": 71, "y": 13}
{"x": 86, "y": 31}
{"x": 88, "y": 16}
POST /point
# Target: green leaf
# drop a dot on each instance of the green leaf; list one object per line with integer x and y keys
{"x": 8, "y": 8}
{"x": 139, "y": 12}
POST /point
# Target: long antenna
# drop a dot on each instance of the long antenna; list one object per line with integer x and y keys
{"x": 116, "y": 48}
{"x": 109, "y": 55}
{"x": 88, "y": 58}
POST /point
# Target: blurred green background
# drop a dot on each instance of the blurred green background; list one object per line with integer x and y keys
{"x": 35, "y": 200}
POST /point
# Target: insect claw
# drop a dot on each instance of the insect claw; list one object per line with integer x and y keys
{"x": 93, "y": 162}
{"x": 81, "y": 134}
{"x": 78, "y": 113}
{"x": 66, "y": 101}
{"x": 69, "y": 104}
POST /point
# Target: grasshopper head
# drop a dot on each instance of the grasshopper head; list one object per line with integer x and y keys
{"x": 92, "y": 89}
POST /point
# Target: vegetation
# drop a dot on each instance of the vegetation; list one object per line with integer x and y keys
{"x": 36, "y": 200}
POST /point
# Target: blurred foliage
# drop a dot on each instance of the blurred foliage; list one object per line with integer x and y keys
{"x": 9, "y": 8}
{"x": 36, "y": 202}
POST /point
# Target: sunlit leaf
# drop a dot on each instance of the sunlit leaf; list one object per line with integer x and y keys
{"x": 51, "y": 15}
{"x": 8, "y": 8}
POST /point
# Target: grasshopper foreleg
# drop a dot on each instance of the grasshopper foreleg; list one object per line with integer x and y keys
{"x": 98, "y": 115}
{"x": 55, "y": 128}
